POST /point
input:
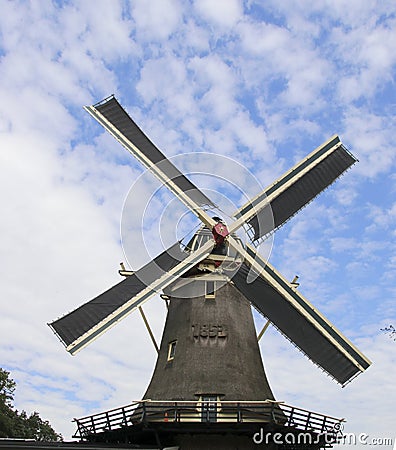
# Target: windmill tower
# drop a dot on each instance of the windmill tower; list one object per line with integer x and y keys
{"x": 209, "y": 388}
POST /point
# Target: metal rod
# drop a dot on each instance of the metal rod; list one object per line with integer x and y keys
{"x": 148, "y": 328}
{"x": 263, "y": 330}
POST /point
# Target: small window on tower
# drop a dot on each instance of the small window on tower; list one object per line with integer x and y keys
{"x": 171, "y": 350}
{"x": 210, "y": 289}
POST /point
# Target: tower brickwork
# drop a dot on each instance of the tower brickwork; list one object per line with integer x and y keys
{"x": 209, "y": 347}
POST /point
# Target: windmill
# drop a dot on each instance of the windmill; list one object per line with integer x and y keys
{"x": 209, "y": 368}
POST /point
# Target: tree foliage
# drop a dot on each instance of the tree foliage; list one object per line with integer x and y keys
{"x": 14, "y": 424}
{"x": 7, "y": 387}
{"x": 390, "y": 331}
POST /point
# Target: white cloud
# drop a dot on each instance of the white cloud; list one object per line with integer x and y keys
{"x": 262, "y": 38}
{"x": 223, "y": 13}
{"x": 62, "y": 46}
{"x": 156, "y": 20}
{"x": 373, "y": 57}
{"x": 166, "y": 75}
{"x": 196, "y": 38}
{"x": 370, "y": 136}
{"x": 381, "y": 219}
{"x": 280, "y": 52}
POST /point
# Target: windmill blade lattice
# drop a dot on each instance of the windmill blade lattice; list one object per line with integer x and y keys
{"x": 110, "y": 114}
{"x": 296, "y": 188}
{"x": 86, "y": 323}
{"x": 298, "y": 320}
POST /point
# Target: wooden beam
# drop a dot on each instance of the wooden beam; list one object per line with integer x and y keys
{"x": 263, "y": 330}
{"x": 148, "y": 328}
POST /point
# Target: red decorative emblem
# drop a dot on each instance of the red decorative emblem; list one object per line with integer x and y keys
{"x": 220, "y": 232}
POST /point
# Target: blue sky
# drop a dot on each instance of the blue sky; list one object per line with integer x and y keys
{"x": 261, "y": 84}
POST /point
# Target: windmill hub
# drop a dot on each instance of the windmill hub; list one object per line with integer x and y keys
{"x": 220, "y": 232}
{"x": 223, "y": 258}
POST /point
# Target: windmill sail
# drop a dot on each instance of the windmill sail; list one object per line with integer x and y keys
{"x": 83, "y": 325}
{"x": 299, "y": 321}
{"x": 111, "y": 115}
{"x": 297, "y": 187}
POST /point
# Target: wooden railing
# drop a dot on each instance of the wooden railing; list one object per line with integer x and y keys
{"x": 148, "y": 411}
